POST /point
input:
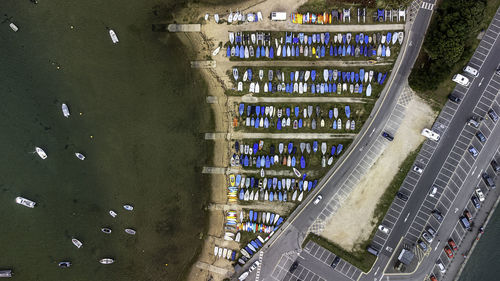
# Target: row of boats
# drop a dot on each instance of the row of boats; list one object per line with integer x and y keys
{"x": 241, "y": 181}
{"x": 344, "y": 16}
{"x": 271, "y": 111}
{"x": 314, "y": 45}
{"x": 225, "y": 253}
{"x": 238, "y": 17}
{"x": 266, "y": 195}
{"x": 283, "y": 148}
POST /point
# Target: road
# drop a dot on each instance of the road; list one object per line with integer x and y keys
{"x": 285, "y": 244}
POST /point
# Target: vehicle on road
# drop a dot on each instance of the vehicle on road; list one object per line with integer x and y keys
{"x": 471, "y": 70}
{"x": 454, "y": 98}
{"x": 452, "y": 245}
{"x": 431, "y": 231}
{"x": 254, "y": 266}
{"x": 422, "y": 245}
{"x": 430, "y": 134}
{"x": 433, "y": 191}
{"x": 495, "y": 165}
{"x": 433, "y": 278}
{"x": 383, "y": 228}
{"x": 335, "y": 262}
{"x": 474, "y": 122}
{"x": 294, "y": 266}
{"x": 243, "y": 276}
{"x": 402, "y": 196}
{"x": 460, "y": 79}
{"x": 316, "y": 201}
{"x": 437, "y": 214}
{"x": 473, "y": 151}
{"x": 417, "y": 169}
{"x": 387, "y": 136}
{"x": 480, "y": 136}
{"x": 465, "y": 222}
{"x": 448, "y": 251}
{"x": 475, "y": 202}
{"x": 480, "y": 194}
{"x": 440, "y": 265}
{"x": 427, "y": 237}
{"x": 488, "y": 180}
{"x": 493, "y": 115}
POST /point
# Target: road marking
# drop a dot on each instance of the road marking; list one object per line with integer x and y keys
{"x": 480, "y": 82}
{"x": 407, "y": 217}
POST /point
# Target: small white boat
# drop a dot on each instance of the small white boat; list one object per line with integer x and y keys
{"x": 128, "y": 207}
{"x": 300, "y": 196}
{"x": 113, "y": 36}
{"x": 40, "y": 152}
{"x": 237, "y": 237}
{"x": 112, "y": 213}
{"x": 65, "y": 110}
{"x": 106, "y": 230}
{"x": 25, "y": 202}
{"x": 216, "y": 250}
{"x": 77, "y": 243}
{"x": 216, "y": 17}
{"x": 13, "y": 27}
{"x": 107, "y": 261}
{"x": 216, "y": 51}
{"x": 297, "y": 173}
{"x": 80, "y": 156}
{"x": 130, "y": 231}
{"x": 206, "y": 16}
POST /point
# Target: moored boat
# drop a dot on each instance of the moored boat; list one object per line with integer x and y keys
{"x": 40, "y": 152}
{"x": 106, "y": 261}
{"x": 130, "y": 231}
{"x": 77, "y": 243}
{"x": 65, "y": 110}
{"x": 112, "y": 213}
{"x": 128, "y": 207}
{"x": 25, "y": 202}
{"x": 106, "y": 230}
{"x": 113, "y": 36}
{"x": 64, "y": 264}
{"x": 6, "y": 273}
{"x": 80, "y": 156}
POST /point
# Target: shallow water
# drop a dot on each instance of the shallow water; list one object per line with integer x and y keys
{"x": 144, "y": 109}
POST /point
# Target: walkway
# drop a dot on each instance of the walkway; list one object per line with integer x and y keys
{"x": 318, "y": 136}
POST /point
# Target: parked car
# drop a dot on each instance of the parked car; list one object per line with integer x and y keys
{"x": 402, "y": 196}
{"x": 440, "y": 265}
{"x": 316, "y": 201}
{"x": 480, "y": 194}
{"x": 474, "y": 122}
{"x": 437, "y": 215}
{"x": 387, "y": 136}
{"x": 495, "y": 165}
{"x": 433, "y": 278}
{"x": 473, "y": 151}
{"x": 471, "y": 70}
{"x": 460, "y": 79}
{"x": 493, "y": 115}
{"x": 383, "y": 228}
{"x": 422, "y": 245}
{"x": 427, "y": 237}
{"x": 468, "y": 215}
{"x": 433, "y": 191}
{"x": 294, "y": 266}
{"x": 452, "y": 245}
{"x": 488, "y": 180}
{"x": 475, "y": 202}
{"x": 335, "y": 262}
{"x": 448, "y": 251}
{"x": 465, "y": 222}
{"x": 431, "y": 231}
{"x": 417, "y": 169}
{"x": 480, "y": 136}
{"x": 454, "y": 98}
{"x": 254, "y": 266}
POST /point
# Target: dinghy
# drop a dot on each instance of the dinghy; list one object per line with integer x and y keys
{"x": 216, "y": 51}
{"x": 113, "y": 36}
{"x": 65, "y": 110}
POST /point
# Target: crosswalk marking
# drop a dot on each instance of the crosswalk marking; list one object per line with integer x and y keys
{"x": 257, "y": 275}
{"x": 427, "y": 6}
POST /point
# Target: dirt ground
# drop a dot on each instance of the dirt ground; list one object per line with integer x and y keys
{"x": 356, "y": 214}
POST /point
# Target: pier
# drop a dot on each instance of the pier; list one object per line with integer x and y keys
{"x": 184, "y": 27}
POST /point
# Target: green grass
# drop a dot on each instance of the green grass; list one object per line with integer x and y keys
{"x": 438, "y": 97}
{"x": 360, "y": 259}
{"x": 376, "y": 88}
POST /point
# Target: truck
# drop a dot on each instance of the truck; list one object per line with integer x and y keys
{"x": 278, "y": 16}
{"x": 430, "y": 134}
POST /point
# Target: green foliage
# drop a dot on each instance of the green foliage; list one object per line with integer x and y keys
{"x": 456, "y": 22}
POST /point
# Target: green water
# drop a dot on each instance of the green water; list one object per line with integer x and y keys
{"x": 145, "y": 110}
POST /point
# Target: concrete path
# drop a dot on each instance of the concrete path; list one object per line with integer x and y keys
{"x": 281, "y": 208}
{"x": 303, "y": 64}
{"x": 320, "y": 136}
{"x": 212, "y": 268}
{"x": 289, "y": 26}
{"x": 315, "y": 99}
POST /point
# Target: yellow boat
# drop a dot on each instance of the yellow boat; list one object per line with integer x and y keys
{"x": 232, "y": 180}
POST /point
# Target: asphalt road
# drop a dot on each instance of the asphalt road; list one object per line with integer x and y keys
{"x": 285, "y": 244}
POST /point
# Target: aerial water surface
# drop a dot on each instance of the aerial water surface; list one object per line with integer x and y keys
{"x": 137, "y": 114}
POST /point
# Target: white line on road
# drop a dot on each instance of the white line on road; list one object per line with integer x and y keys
{"x": 407, "y": 216}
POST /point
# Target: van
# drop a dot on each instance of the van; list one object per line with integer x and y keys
{"x": 495, "y": 165}
{"x": 430, "y": 134}
{"x": 460, "y": 79}
{"x": 278, "y": 16}
{"x": 488, "y": 180}
{"x": 372, "y": 251}
{"x": 471, "y": 70}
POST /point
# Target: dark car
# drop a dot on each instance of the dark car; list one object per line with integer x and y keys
{"x": 473, "y": 151}
{"x": 468, "y": 215}
{"x": 437, "y": 215}
{"x": 493, "y": 115}
{"x": 402, "y": 196}
{"x": 488, "y": 180}
{"x": 480, "y": 137}
{"x": 454, "y": 98}
{"x": 465, "y": 222}
{"x": 335, "y": 262}
{"x": 387, "y": 136}
{"x": 475, "y": 202}
{"x": 422, "y": 245}
{"x": 495, "y": 165}
{"x": 294, "y": 266}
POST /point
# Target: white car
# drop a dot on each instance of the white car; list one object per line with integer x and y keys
{"x": 243, "y": 276}
{"x": 440, "y": 266}
{"x": 471, "y": 70}
{"x": 430, "y": 134}
{"x": 383, "y": 228}
{"x": 460, "y": 79}
{"x": 433, "y": 191}
{"x": 316, "y": 201}
{"x": 480, "y": 194}
{"x": 254, "y": 266}
{"x": 417, "y": 169}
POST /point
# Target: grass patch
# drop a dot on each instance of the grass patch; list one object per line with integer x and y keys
{"x": 360, "y": 259}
